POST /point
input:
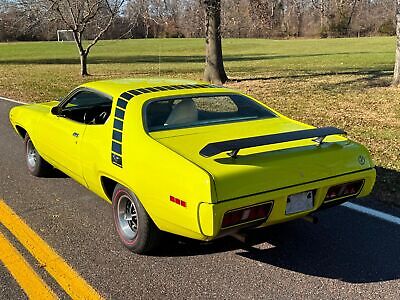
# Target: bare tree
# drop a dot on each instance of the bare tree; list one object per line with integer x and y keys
{"x": 396, "y": 75}
{"x": 298, "y": 7}
{"x": 345, "y": 12}
{"x": 78, "y": 15}
{"x": 323, "y": 6}
{"x": 39, "y": 19}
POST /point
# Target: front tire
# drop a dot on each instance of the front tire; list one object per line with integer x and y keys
{"x": 37, "y": 166}
{"x": 134, "y": 226}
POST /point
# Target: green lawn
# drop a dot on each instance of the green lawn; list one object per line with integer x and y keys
{"x": 339, "y": 82}
{"x": 35, "y": 70}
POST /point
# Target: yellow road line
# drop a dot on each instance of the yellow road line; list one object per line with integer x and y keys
{"x": 32, "y": 284}
{"x": 72, "y": 283}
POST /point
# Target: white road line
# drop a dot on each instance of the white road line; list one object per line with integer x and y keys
{"x": 373, "y": 213}
{"x": 11, "y": 100}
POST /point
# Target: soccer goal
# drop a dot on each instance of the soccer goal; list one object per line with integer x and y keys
{"x": 64, "y": 35}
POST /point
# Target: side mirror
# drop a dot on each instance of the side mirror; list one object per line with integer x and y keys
{"x": 56, "y": 110}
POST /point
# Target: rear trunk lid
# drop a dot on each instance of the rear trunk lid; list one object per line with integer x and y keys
{"x": 264, "y": 168}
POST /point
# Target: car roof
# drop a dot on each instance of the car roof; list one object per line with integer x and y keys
{"x": 115, "y": 87}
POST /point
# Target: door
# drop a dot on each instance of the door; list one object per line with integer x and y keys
{"x": 63, "y": 133}
{"x": 63, "y": 139}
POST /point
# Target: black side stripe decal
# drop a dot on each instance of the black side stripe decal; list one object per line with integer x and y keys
{"x": 117, "y": 136}
{"x": 116, "y": 160}
{"x": 116, "y": 148}
{"x": 122, "y": 103}
{"x": 118, "y": 124}
{"x": 119, "y": 115}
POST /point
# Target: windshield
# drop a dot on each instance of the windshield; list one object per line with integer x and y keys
{"x": 183, "y": 112}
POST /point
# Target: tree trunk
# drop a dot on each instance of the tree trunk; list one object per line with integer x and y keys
{"x": 323, "y": 21}
{"x": 214, "y": 71}
{"x": 396, "y": 73}
{"x": 84, "y": 71}
{"x": 300, "y": 24}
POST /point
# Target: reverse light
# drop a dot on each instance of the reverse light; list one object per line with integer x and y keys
{"x": 344, "y": 190}
{"x": 247, "y": 214}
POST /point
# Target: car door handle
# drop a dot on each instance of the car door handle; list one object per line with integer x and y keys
{"x": 75, "y": 134}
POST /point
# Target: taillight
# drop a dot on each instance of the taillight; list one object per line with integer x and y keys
{"x": 246, "y": 214}
{"x": 344, "y": 190}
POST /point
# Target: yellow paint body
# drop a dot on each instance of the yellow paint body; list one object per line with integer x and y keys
{"x": 161, "y": 164}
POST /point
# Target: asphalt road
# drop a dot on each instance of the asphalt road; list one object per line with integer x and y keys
{"x": 347, "y": 255}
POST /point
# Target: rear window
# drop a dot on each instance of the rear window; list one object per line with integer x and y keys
{"x": 183, "y": 112}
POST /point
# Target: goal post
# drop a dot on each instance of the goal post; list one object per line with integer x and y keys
{"x": 64, "y": 35}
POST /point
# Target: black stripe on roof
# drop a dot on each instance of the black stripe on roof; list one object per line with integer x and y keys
{"x": 153, "y": 89}
{"x": 126, "y": 96}
{"x": 143, "y": 90}
{"x": 135, "y": 92}
{"x": 158, "y": 89}
{"x": 188, "y": 86}
{"x": 163, "y": 88}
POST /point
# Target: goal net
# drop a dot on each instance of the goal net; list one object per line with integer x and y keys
{"x": 64, "y": 35}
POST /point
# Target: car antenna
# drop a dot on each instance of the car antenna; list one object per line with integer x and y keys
{"x": 159, "y": 57}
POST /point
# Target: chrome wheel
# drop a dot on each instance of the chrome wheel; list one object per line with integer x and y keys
{"x": 133, "y": 224}
{"x": 127, "y": 217}
{"x": 32, "y": 156}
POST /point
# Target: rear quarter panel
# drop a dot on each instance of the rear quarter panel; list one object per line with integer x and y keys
{"x": 154, "y": 173}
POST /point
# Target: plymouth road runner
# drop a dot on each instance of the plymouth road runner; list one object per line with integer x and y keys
{"x": 189, "y": 158}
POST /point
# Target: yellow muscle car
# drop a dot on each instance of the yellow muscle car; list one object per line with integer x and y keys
{"x": 189, "y": 158}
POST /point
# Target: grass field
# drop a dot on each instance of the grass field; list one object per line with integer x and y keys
{"x": 339, "y": 82}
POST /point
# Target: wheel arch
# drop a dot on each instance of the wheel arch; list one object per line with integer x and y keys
{"x": 108, "y": 184}
{"x": 21, "y": 131}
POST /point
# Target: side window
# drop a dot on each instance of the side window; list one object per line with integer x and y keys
{"x": 87, "y": 99}
{"x": 88, "y": 107}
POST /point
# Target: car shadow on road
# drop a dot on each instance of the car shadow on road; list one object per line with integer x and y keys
{"x": 355, "y": 248}
{"x": 345, "y": 245}
{"x": 55, "y": 173}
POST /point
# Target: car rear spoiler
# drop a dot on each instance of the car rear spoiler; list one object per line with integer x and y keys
{"x": 235, "y": 145}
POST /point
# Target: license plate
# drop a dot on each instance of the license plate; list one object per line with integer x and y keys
{"x": 299, "y": 202}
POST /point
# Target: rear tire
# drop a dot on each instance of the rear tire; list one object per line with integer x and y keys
{"x": 134, "y": 226}
{"x": 37, "y": 166}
